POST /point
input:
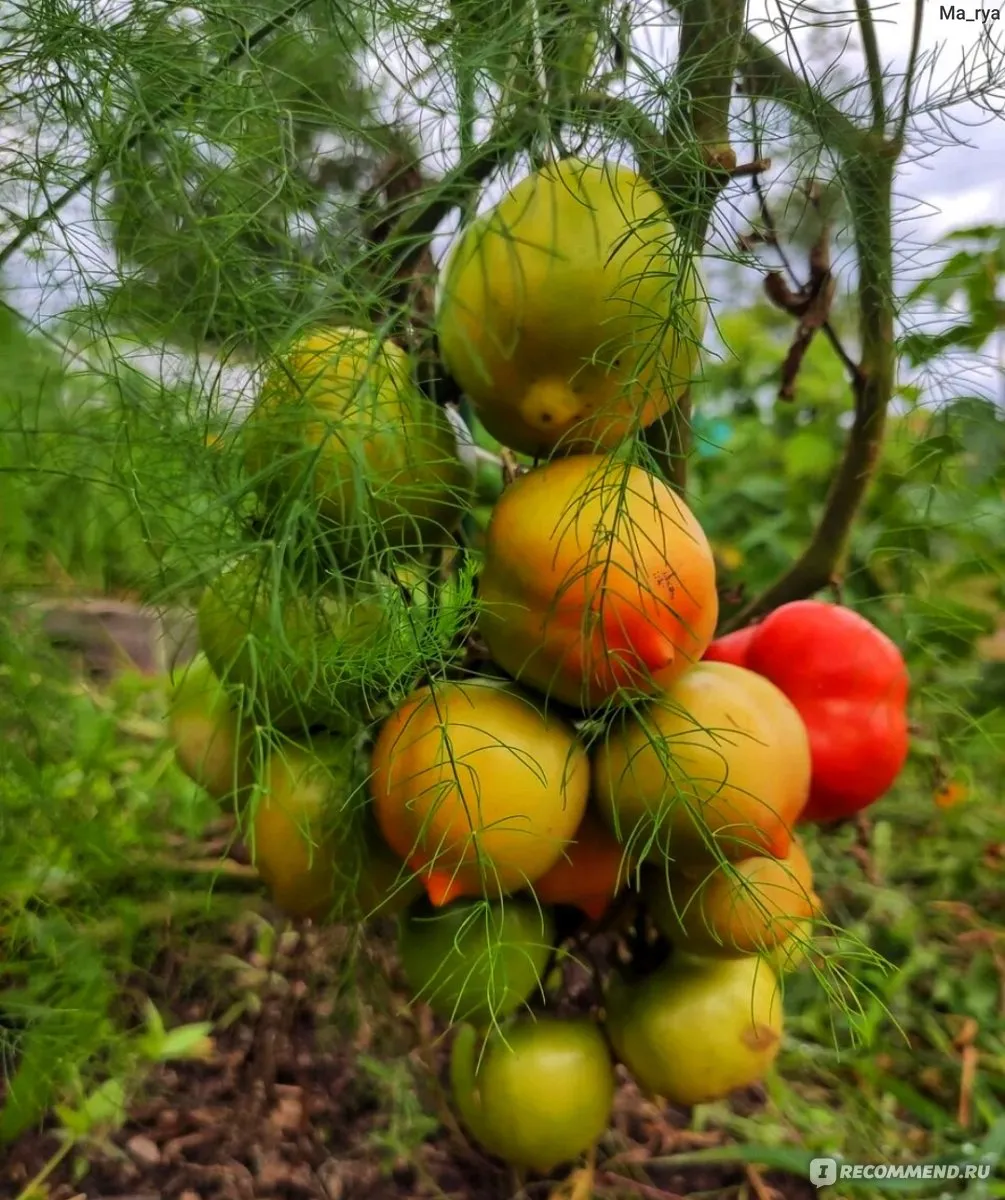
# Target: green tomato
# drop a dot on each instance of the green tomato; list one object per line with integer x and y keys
{"x": 341, "y": 423}
{"x": 539, "y": 1093}
{"x": 212, "y": 742}
{"x": 330, "y": 659}
{"x": 474, "y": 960}
{"x": 697, "y": 1029}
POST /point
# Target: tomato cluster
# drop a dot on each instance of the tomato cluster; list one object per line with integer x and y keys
{"x": 612, "y": 766}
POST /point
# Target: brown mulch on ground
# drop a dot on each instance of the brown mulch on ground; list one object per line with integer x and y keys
{"x": 293, "y": 1105}
{"x": 297, "y": 1104}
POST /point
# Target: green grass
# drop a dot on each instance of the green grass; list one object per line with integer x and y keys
{"x": 89, "y": 794}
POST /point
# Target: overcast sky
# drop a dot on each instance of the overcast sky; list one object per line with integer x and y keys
{"x": 961, "y": 184}
{"x": 952, "y": 178}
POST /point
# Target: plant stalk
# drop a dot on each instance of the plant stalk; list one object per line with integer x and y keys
{"x": 869, "y": 185}
{"x": 708, "y": 58}
{"x": 874, "y": 67}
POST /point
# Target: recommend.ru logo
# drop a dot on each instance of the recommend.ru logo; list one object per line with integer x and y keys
{"x": 827, "y": 1171}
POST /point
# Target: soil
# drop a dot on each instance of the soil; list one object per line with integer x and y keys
{"x": 323, "y": 1082}
{"x": 321, "y": 1096}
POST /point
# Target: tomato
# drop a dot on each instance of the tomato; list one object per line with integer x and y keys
{"x": 719, "y": 764}
{"x": 849, "y": 683}
{"x": 315, "y": 844}
{"x": 793, "y": 952}
{"x": 539, "y": 1093}
{"x": 305, "y": 794}
{"x": 697, "y": 1029}
{"x": 474, "y": 960}
{"x": 732, "y": 647}
{"x": 734, "y": 909}
{"x": 213, "y": 742}
{"x": 589, "y": 874}
{"x": 477, "y": 787}
{"x": 597, "y": 577}
{"x": 340, "y": 406}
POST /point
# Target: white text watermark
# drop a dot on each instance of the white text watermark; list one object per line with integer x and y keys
{"x": 827, "y": 1171}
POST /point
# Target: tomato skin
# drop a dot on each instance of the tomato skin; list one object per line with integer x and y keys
{"x": 732, "y": 647}
{"x": 742, "y": 790}
{"x": 590, "y": 873}
{"x": 849, "y": 683}
{"x": 539, "y": 1092}
{"x": 696, "y": 1029}
{"x": 475, "y": 962}
{"x": 752, "y": 909}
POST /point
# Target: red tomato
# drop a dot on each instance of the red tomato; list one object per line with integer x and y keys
{"x": 732, "y": 647}
{"x": 849, "y": 683}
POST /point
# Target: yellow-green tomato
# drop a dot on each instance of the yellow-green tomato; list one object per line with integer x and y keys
{"x": 539, "y": 1093}
{"x": 313, "y": 846}
{"x": 212, "y": 742}
{"x": 697, "y": 1029}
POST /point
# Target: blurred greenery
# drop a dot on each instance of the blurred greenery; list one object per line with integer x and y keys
{"x": 234, "y": 197}
{"x": 107, "y": 478}
{"x": 89, "y": 791}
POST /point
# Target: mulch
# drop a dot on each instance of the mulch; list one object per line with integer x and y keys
{"x": 296, "y": 1103}
{"x": 293, "y": 1103}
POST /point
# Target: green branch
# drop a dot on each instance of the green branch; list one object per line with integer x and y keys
{"x": 709, "y": 54}
{"x": 869, "y": 162}
{"x": 419, "y": 218}
{"x": 766, "y": 77}
{"x": 707, "y": 61}
{"x": 711, "y": 35}
{"x": 912, "y": 67}
{"x": 410, "y": 223}
{"x": 624, "y": 119}
{"x": 874, "y": 68}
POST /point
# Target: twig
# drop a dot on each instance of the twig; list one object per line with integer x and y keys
{"x": 241, "y": 47}
{"x": 757, "y": 1184}
{"x": 708, "y": 57}
{"x": 648, "y": 1190}
{"x": 755, "y": 167}
{"x": 811, "y": 303}
{"x": 578, "y": 1185}
{"x": 851, "y": 366}
{"x": 487, "y": 457}
{"x": 874, "y": 67}
{"x": 207, "y": 866}
{"x": 707, "y": 60}
{"x": 668, "y": 440}
{"x": 511, "y": 468}
{"x": 969, "y": 1059}
{"x": 626, "y": 120}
